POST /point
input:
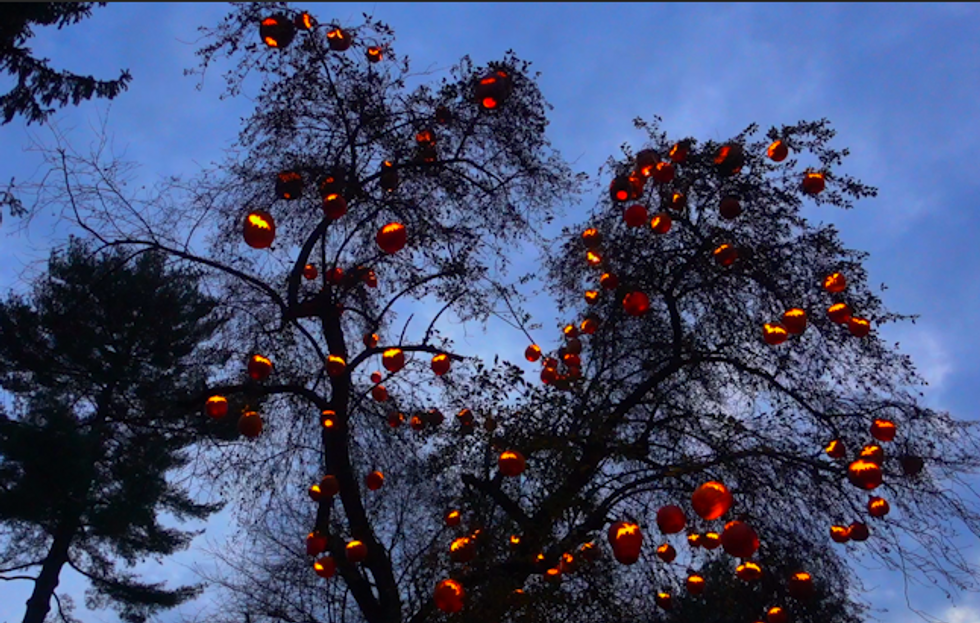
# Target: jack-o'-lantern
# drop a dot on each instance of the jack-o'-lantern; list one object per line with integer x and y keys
{"x": 666, "y": 553}
{"x": 462, "y": 550}
{"x": 310, "y": 272}
{"x": 589, "y": 551}
{"x": 621, "y": 189}
{"x": 334, "y": 206}
{"x": 695, "y": 584}
{"x": 710, "y": 540}
{"x": 777, "y": 152}
{"x": 835, "y": 283}
{"x": 329, "y": 486}
{"x": 336, "y": 366}
{"x": 835, "y": 449}
{"x": 872, "y": 452}
{"x": 388, "y": 179}
{"x": 661, "y": 223}
{"x": 250, "y": 424}
{"x": 393, "y": 360}
{"x": 549, "y": 376}
{"x": 335, "y": 275}
{"x": 593, "y": 258}
{"x": 355, "y": 551}
{"x": 883, "y": 430}
{"x": 370, "y": 340}
{"x": 325, "y": 567}
{"x": 839, "y": 534}
{"x": 453, "y": 518}
{"x": 391, "y": 238}
{"x": 678, "y": 153}
{"x": 800, "y": 586}
{"x": 711, "y": 500}
{"x": 635, "y": 215}
{"x": 590, "y": 324}
{"x": 515, "y": 541}
{"x": 776, "y": 615}
{"x": 729, "y": 159}
{"x": 316, "y": 544}
{"x": 609, "y": 281}
{"x": 591, "y": 297}
{"x": 338, "y": 39}
{"x": 448, "y": 596}
{"x": 434, "y": 417}
{"x": 671, "y": 519}
{"x": 417, "y": 423}
{"x": 725, "y": 255}
{"x": 774, "y": 333}
{"x": 553, "y": 574}
{"x": 813, "y": 182}
{"x": 369, "y": 278}
{"x": 748, "y": 571}
{"x": 592, "y": 238}
{"x": 678, "y": 201}
{"x": 694, "y": 539}
{"x": 864, "y": 474}
{"x": 878, "y": 507}
{"x": 739, "y": 539}
{"x": 332, "y": 182}
{"x": 328, "y": 418}
{"x": 911, "y": 465}
{"x": 663, "y": 173}
{"x": 425, "y": 137}
{"x": 395, "y": 419}
{"x": 794, "y": 320}
{"x": 259, "y": 368}
{"x": 839, "y": 313}
{"x": 568, "y": 563}
{"x": 216, "y": 407}
{"x": 532, "y": 353}
{"x": 493, "y": 89}
{"x": 511, "y": 463}
{"x": 646, "y": 160}
{"x": 277, "y": 31}
{"x": 374, "y": 480}
{"x": 259, "y": 229}
{"x": 440, "y": 364}
{"x": 379, "y": 393}
{"x": 315, "y": 493}
{"x": 730, "y": 208}
{"x": 636, "y": 303}
{"x": 858, "y": 532}
{"x": 859, "y": 327}
{"x": 664, "y": 600}
{"x": 289, "y": 185}
{"x": 626, "y": 540}
{"x": 572, "y": 361}
{"x": 374, "y": 54}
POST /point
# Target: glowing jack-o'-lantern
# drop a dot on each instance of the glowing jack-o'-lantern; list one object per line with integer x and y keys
{"x": 878, "y": 507}
{"x": 305, "y": 21}
{"x": 289, "y": 185}
{"x": 695, "y": 584}
{"x": 777, "y": 152}
{"x": 839, "y": 534}
{"x": 636, "y": 303}
{"x": 694, "y": 539}
{"x": 663, "y": 173}
{"x": 316, "y": 544}
{"x": 774, "y": 333}
{"x": 609, "y": 281}
{"x": 800, "y": 586}
{"x": 873, "y": 453}
{"x": 626, "y": 540}
{"x": 336, "y": 366}
{"x": 462, "y": 550}
{"x": 388, "y": 179}
{"x": 216, "y": 407}
{"x": 864, "y": 474}
{"x": 646, "y": 160}
{"x": 739, "y": 539}
{"x": 250, "y": 424}
{"x": 711, "y": 500}
{"x": 664, "y": 600}
{"x": 592, "y": 238}
{"x": 635, "y": 215}
{"x": 511, "y": 463}
{"x": 835, "y": 449}
{"x": 393, "y": 360}
{"x": 678, "y": 201}
{"x": 374, "y": 54}
{"x": 666, "y": 553}
{"x": 332, "y": 182}
{"x": 748, "y": 571}
{"x": 440, "y": 364}
{"x": 729, "y": 159}
{"x": 391, "y": 238}
{"x": 593, "y": 258}
{"x": 568, "y": 563}
{"x": 448, "y": 596}
{"x": 589, "y": 551}
{"x": 725, "y": 255}
{"x": 835, "y": 283}
{"x": 338, "y": 39}
{"x": 859, "y": 327}
{"x": 858, "y": 532}
{"x": 355, "y": 551}
{"x": 710, "y": 540}
{"x": 259, "y": 368}
{"x": 532, "y": 353}
{"x": 395, "y": 419}
{"x": 260, "y": 229}
{"x": 590, "y": 324}
{"x": 813, "y": 182}
{"x": 591, "y": 297}
{"x": 325, "y": 567}
{"x": 661, "y": 223}
{"x": 678, "y": 153}
{"x": 310, "y": 272}
{"x": 883, "y": 430}
{"x": 839, "y": 313}
{"x": 425, "y": 137}
{"x": 794, "y": 320}
{"x": 730, "y": 208}
{"x": 453, "y": 518}
{"x": 277, "y": 31}
{"x": 621, "y": 189}
{"x": 374, "y": 480}
{"x": 334, "y": 206}
{"x": 328, "y": 418}
{"x": 493, "y": 89}
{"x": 776, "y": 615}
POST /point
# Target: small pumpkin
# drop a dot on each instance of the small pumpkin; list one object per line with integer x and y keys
{"x": 448, "y": 596}
{"x": 216, "y": 407}
{"x": 883, "y": 430}
{"x": 794, "y": 320}
{"x": 310, "y": 272}
{"x": 374, "y": 54}
{"x": 453, "y": 518}
{"x": 666, "y": 553}
{"x": 839, "y": 313}
{"x": 532, "y": 353}
{"x": 859, "y": 327}
{"x": 635, "y": 215}
{"x": 355, "y": 551}
{"x": 609, "y": 281}
{"x": 835, "y": 283}
{"x": 878, "y": 507}
{"x": 813, "y": 182}
{"x": 664, "y": 600}
{"x": 325, "y": 567}
{"x": 739, "y": 539}
{"x": 748, "y": 571}
{"x": 592, "y": 238}
{"x": 776, "y": 614}
{"x": 316, "y": 544}
{"x": 663, "y": 173}
{"x": 777, "y": 152}
{"x": 259, "y": 368}
{"x": 661, "y": 223}
{"x": 678, "y": 153}
{"x": 840, "y": 534}
{"x": 730, "y": 208}
{"x": 725, "y": 255}
{"x": 259, "y": 229}
{"x": 729, "y": 159}
{"x": 774, "y": 333}
{"x": 440, "y": 364}
{"x": 336, "y": 366}
{"x": 493, "y": 89}
{"x": 393, "y": 360}
{"x": 695, "y": 584}
{"x": 250, "y": 424}
{"x": 374, "y": 481}
{"x": 800, "y": 586}
{"x": 511, "y": 463}
{"x": 338, "y": 39}
{"x": 636, "y": 303}
{"x": 858, "y": 532}
{"x": 289, "y": 185}
{"x": 835, "y": 449}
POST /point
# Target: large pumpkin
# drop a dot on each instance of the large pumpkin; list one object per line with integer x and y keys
{"x": 711, "y": 500}
{"x": 391, "y": 238}
{"x": 626, "y": 540}
{"x": 864, "y": 474}
{"x": 259, "y": 229}
{"x": 739, "y": 539}
{"x": 511, "y": 463}
{"x": 216, "y": 407}
{"x": 449, "y": 596}
{"x": 671, "y": 519}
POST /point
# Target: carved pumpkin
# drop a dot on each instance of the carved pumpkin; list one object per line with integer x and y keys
{"x": 839, "y": 313}
{"x": 259, "y": 229}
{"x": 316, "y": 544}
{"x": 835, "y": 449}
{"x": 663, "y": 173}
{"x": 739, "y": 539}
{"x": 277, "y": 31}
{"x": 609, "y": 281}
{"x": 568, "y": 563}
{"x": 369, "y": 278}
{"x": 443, "y": 115}
{"x": 305, "y": 21}
{"x": 375, "y": 377}
{"x": 338, "y": 39}
{"x": 800, "y": 586}
{"x": 440, "y": 364}
{"x": 839, "y": 534}
{"x": 678, "y": 201}
{"x": 416, "y": 423}
{"x": 813, "y": 182}
{"x": 883, "y": 430}
{"x": 393, "y": 360}
{"x": 835, "y": 283}
{"x": 327, "y": 418}
{"x": 748, "y": 571}
{"x": 626, "y": 540}
{"x": 395, "y": 419}
{"x": 730, "y": 208}
{"x": 310, "y": 272}
{"x": 332, "y": 182}
{"x": 646, "y": 160}
{"x": 694, "y": 539}
{"x": 334, "y": 206}
{"x": 425, "y": 137}
{"x": 695, "y": 584}
{"x": 859, "y": 327}
{"x": 374, "y": 54}
{"x": 532, "y": 353}
{"x": 374, "y": 480}
{"x": 593, "y": 258}
{"x": 453, "y": 518}
{"x": 493, "y": 89}
{"x": 794, "y": 320}
{"x": 511, "y": 463}
{"x": 725, "y": 255}
{"x": 336, "y": 366}
{"x": 592, "y": 238}
{"x": 666, "y": 553}
{"x": 710, "y": 540}
{"x": 776, "y": 614}
{"x": 711, "y": 500}
{"x": 216, "y": 407}
{"x": 591, "y": 297}
{"x": 664, "y": 600}
{"x": 878, "y": 507}
{"x": 635, "y": 215}
{"x": 379, "y": 393}
{"x": 678, "y": 153}
{"x": 370, "y": 340}
{"x": 250, "y": 424}
{"x": 391, "y": 238}
{"x": 289, "y": 185}
{"x": 336, "y": 275}
{"x": 661, "y": 223}
{"x": 858, "y": 532}
{"x": 590, "y": 324}
{"x": 864, "y": 474}
{"x": 448, "y": 596}
{"x": 777, "y": 152}
{"x": 774, "y": 333}
{"x": 356, "y": 552}
{"x": 325, "y": 567}
{"x": 329, "y": 486}
{"x": 729, "y": 159}
{"x": 621, "y": 189}
{"x": 872, "y": 453}
{"x": 462, "y": 550}
{"x": 636, "y": 303}
{"x": 388, "y": 180}
{"x": 259, "y": 368}
{"x": 589, "y": 551}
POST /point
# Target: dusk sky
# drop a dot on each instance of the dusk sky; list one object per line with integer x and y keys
{"x": 899, "y": 82}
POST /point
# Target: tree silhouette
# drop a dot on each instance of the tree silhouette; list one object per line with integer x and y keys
{"x": 96, "y": 360}
{"x": 717, "y": 343}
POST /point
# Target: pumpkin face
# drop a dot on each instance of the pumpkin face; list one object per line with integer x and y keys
{"x": 800, "y": 586}
{"x": 794, "y": 320}
{"x": 839, "y": 313}
{"x": 666, "y": 553}
{"x": 591, "y": 297}
{"x": 511, "y": 462}
{"x": 334, "y": 206}
{"x": 593, "y": 258}
{"x": 259, "y": 230}
{"x": 453, "y": 518}
{"x": 711, "y": 500}
{"x": 440, "y": 364}
{"x": 883, "y": 430}
{"x": 462, "y": 550}
{"x": 567, "y": 564}
{"x": 739, "y": 539}
{"x": 661, "y": 223}
{"x": 250, "y": 424}
{"x": 710, "y": 540}
{"x": 259, "y": 368}
{"x": 532, "y": 353}
{"x": 315, "y": 544}
{"x": 678, "y": 153}
{"x": 336, "y": 366}
{"x": 695, "y": 584}
{"x": 626, "y": 540}
{"x": 859, "y": 327}
{"x": 776, "y": 615}
{"x": 325, "y": 567}
{"x": 835, "y": 283}
{"x": 777, "y": 152}
{"x": 748, "y": 571}
{"x": 858, "y": 532}
{"x": 621, "y": 189}
{"x": 328, "y": 418}
{"x": 635, "y": 215}
{"x": 663, "y": 173}
{"x": 374, "y": 480}
{"x": 493, "y": 89}
{"x": 305, "y": 21}
{"x": 289, "y": 185}
{"x": 448, "y": 596}
{"x": 338, "y": 39}
{"x": 392, "y": 238}
{"x": 730, "y": 208}
{"x": 864, "y": 474}
{"x": 310, "y": 272}
{"x": 374, "y": 54}
{"x": 590, "y": 325}
{"x": 216, "y": 407}
{"x": 729, "y": 160}
{"x": 835, "y": 449}
{"x": 774, "y": 333}
{"x": 636, "y": 303}
{"x": 725, "y": 255}
{"x": 393, "y": 360}
{"x": 694, "y": 539}
{"x": 878, "y": 507}
{"x": 592, "y": 238}
{"x": 356, "y": 551}
{"x": 277, "y": 31}
{"x": 813, "y": 182}
{"x": 839, "y": 534}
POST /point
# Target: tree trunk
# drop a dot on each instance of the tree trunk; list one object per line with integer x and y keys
{"x": 40, "y": 601}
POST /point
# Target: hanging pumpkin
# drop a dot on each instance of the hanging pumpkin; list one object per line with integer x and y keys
{"x": 635, "y": 215}
{"x": 621, "y": 189}
{"x": 289, "y": 185}
{"x": 216, "y": 407}
{"x": 493, "y": 89}
{"x": 859, "y": 327}
{"x": 591, "y": 297}
{"x": 626, "y": 540}
{"x": 794, "y": 320}
{"x": 374, "y": 54}
{"x": 315, "y": 493}
{"x": 568, "y": 564}
{"x": 678, "y": 201}
{"x": 370, "y": 340}
{"x": 425, "y": 137}
{"x": 729, "y": 159}
{"x": 332, "y": 182}
{"x": 835, "y": 449}
{"x": 532, "y": 353}
{"x": 678, "y": 153}
{"x": 260, "y": 229}
{"x": 374, "y": 480}
{"x": 666, "y": 553}
{"x": 589, "y": 551}
{"x": 393, "y": 360}
{"x": 338, "y": 39}
{"x": 448, "y": 596}
{"x": 711, "y": 500}
{"x": 864, "y": 474}
{"x": 305, "y": 21}
{"x": 800, "y": 586}
{"x": 609, "y": 281}
{"x": 453, "y": 518}
{"x": 695, "y": 584}
{"x": 661, "y": 223}
{"x": 336, "y": 276}
{"x": 883, "y": 430}
{"x": 327, "y": 418}
{"x": 593, "y": 258}
{"x": 725, "y": 255}
{"x": 329, "y": 486}
{"x": 839, "y": 313}
{"x": 462, "y": 550}
{"x": 835, "y": 283}
{"x": 416, "y": 423}
{"x": 334, "y": 206}
{"x": 911, "y": 465}
{"x": 878, "y": 507}
{"x": 259, "y": 368}
{"x": 748, "y": 571}
{"x": 592, "y": 238}
{"x": 511, "y": 463}
{"x": 443, "y": 115}
{"x": 873, "y": 453}
{"x": 636, "y": 303}
{"x": 663, "y": 173}
{"x": 395, "y": 419}
{"x": 739, "y": 539}
{"x": 325, "y": 567}
{"x": 664, "y": 600}
{"x": 590, "y": 324}
{"x": 277, "y": 31}
{"x": 839, "y": 534}
{"x": 440, "y": 364}
{"x": 336, "y": 366}
{"x": 774, "y": 333}
{"x": 369, "y": 278}
{"x": 316, "y": 544}
{"x": 375, "y": 377}
{"x": 646, "y": 160}
{"x": 250, "y": 424}
{"x": 730, "y": 208}
{"x": 391, "y": 238}
{"x": 379, "y": 393}
{"x": 694, "y": 540}
{"x": 710, "y": 540}
{"x": 776, "y": 614}
{"x": 858, "y": 532}
{"x": 356, "y": 552}
{"x": 310, "y": 272}
{"x": 388, "y": 180}
{"x": 777, "y": 152}
{"x": 813, "y": 182}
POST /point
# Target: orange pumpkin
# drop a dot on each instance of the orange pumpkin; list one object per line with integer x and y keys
{"x": 448, "y": 596}
{"x": 661, "y": 223}
{"x": 416, "y": 423}
{"x": 678, "y": 153}
{"x": 608, "y": 281}
{"x": 663, "y": 173}
{"x": 694, "y": 539}
{"x": 800, "y": 586}
{"x": 864, "y": 474}
{"x": 859, "y": 327}
{"x": 591, "y": 297}
{"x": 511, "y": 463}
{"x": 858, "y": 532}
{"x": 883, "y": 430}
{"x": 710, "y": 540}
{"x": 729, "y": 159}
{"x": 391, "y": 238}
{"x": 794, "y": 320}
{"x": 813, "y": 182}
{"x": 621, "y": 189}
{"x": 776, "y": 614}
{"x": 532, "y": 353}
{"x": 873, "y": 453}
{"x": 338, "y": 39}
{"x": 839, "y": 313}
{"x": 277, "y": 31}
{"x": 336, "y": 366}
{"x": 329, "y": 486}
{"x": 777, "y": 152}
{"x": 592, "y": 238}
{"x": 839, "y": 534}
{"x": 774, "y": 333}
{"x": 327, "y": 418}
{"x": 748, "y": 571}
{"x": 289, "y": 185}
{"x": 370, "y": 340}
{"x": 711, "y": 500}
{"x": 356, "y": 552}
{"x": 626, "y": 540}
{"x": 739, "y": 539}
{"x": 646, "y": 160}
{"x": 393, "y": 360}
{"x": 310, "y": 272}
{"x": 878, "y": 507}
{"x": 305, "y": 21}
{"x": 730, "y": 208}
{"x": 666, "y": 553}
{"x": 259, "y": 229}
{"x": 334, "y": 206}
{"x": 216, "y": 407}
{"x": 462, "y": 549}
{"x": 250, "y": 424}
{"x": 325, "y": 567}
{"x": 396, "y": 419}
{"x": 589, "y": 551}
{"x": 835, "y": 283}
{"x": 374, "y": 480}
{"x": 379, "y": 393}
{"x": 835, "y": 449}
{"x": 594, "y": 258}
{"x": 725, "y": 255}
{"x": 453, "y": 518}
{"x": 635, "y": 215}
{"x": 388, "y": 180}
{"x": 440, "y": 364}
{"x": 678, "y": 201}
{"x": 590, "y": 325}
{"x": 316, "y": 544}
{"x": 374, "y": 54}
{"x": 636, "y": 303}
{"x": 664, "y": 600}
{"x": 695, "y": 584}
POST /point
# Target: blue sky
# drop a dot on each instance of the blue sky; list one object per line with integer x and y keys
{"x": 900, "y": 82}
